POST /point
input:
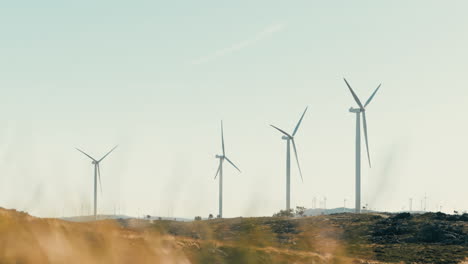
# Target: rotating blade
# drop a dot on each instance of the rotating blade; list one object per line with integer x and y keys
{"x": 232, "y": 163}
{"x": 299, "y": 123}
{"x": 356, "y": 98}
{"x": 282, "y": 131}
{"x": 222, "y": 138}
{"x": 297, "y": 158}
{"x": 372, "y": 96}
{"x": 364, "y": 124}
{"x": 85, "y": 154}
{"x": 108, "y": 153}
{"x": 217, "y": 172}
{"x": 99, "y": 177}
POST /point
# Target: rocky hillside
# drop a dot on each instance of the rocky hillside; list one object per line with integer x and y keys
{"x": 340, "y": 238}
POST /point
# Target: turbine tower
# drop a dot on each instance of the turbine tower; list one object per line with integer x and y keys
{"x": 97, "y": 174}
{"x": 358, "y": 112}
{"x": 290, "y": 139}
{"x": 220, "y": 172}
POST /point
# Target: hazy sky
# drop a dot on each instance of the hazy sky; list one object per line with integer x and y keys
{"x": 156, "y": 77}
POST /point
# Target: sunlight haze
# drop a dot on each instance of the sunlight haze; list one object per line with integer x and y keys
{"x": 157, "y": 77}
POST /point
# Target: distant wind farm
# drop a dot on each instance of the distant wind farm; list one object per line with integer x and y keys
{"x": 233, "y": 132}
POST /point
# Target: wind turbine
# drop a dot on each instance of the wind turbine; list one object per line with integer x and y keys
{"x": 290, "y": 139}
{"x": 97, "y": 174}
{"x": 358, "y": 112}
{"x": 220, "y": 172}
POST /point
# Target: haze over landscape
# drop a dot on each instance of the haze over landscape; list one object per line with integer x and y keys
{"x": 157, "y": 78}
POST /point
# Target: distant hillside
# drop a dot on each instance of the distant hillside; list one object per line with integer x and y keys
{"x": 339, "y": 210}
{"x": 90, "y": 218}
{"x": 322, "y": 211}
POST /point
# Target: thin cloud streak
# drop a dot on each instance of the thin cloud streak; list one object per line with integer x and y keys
{"x": 240, "y": 45}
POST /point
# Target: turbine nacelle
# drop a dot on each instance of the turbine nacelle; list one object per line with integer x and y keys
{"x": 356, "y": 110}
{"x": 219, "y": 156}
{"x": 285, "y": 138}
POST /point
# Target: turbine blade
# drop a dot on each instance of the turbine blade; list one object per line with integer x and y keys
{"x": 108, "y": 153}
{"x": 297, "y": 159}
{"x": 99, "y": 176}
{"x": 232, "y": 163}
{"x": 356, "y": 98}
{"x": 299, "y": 123}
{"x": 282, "y": 131}
{"x": 85, "y": 154}
{"x": 217, "y": 172}
{"x": 364, "y": 124}
{"x": 222, "y": 137}
{"x": 372, "y": 96}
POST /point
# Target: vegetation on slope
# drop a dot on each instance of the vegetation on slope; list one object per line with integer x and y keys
{"x": 340, "y": 238}
{"x": 25, "y": 239}
{"x": 428, "y": 238}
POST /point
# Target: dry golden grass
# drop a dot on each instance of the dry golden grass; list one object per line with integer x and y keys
{"x": 338, "y": 239}
{"x": 25, "y": 239}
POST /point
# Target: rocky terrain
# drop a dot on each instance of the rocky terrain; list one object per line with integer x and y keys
{"x": 339, "y": 238}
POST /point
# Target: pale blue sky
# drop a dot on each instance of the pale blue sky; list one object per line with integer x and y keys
{"x": 156, "y": 78}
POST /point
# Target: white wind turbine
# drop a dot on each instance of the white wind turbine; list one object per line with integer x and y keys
{"x": 290, "y": 139}
{"x": 97, "y": 174}
{"x": 358, "y": 112}
{"x": 220, "y": 172}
